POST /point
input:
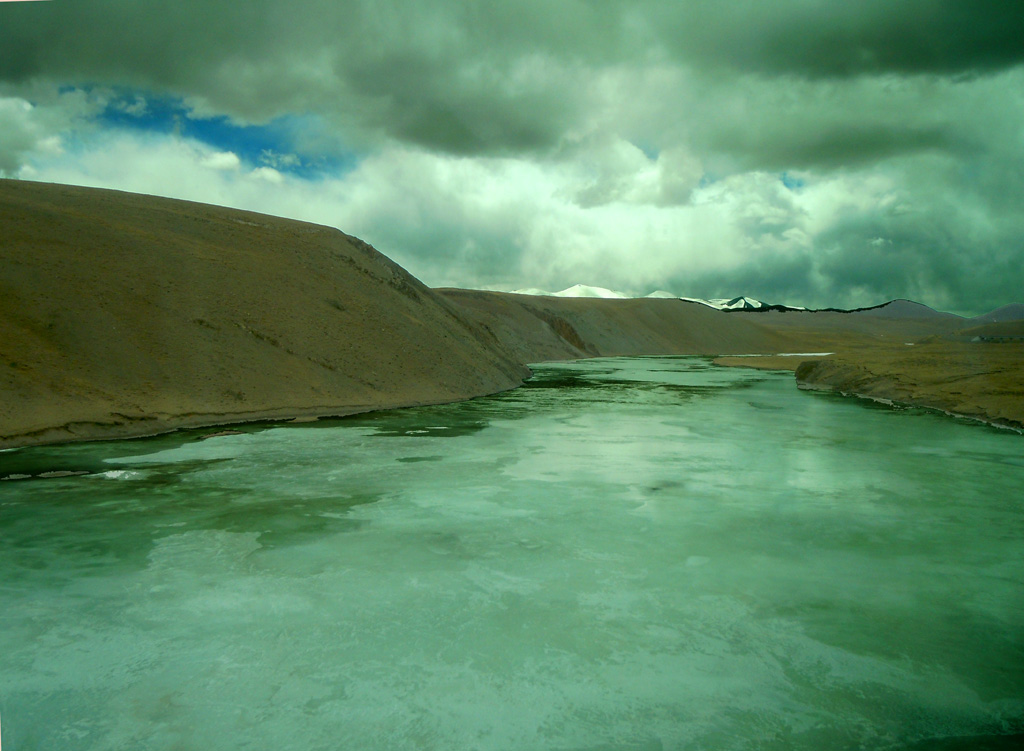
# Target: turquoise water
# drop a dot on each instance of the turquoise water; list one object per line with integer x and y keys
{"x": 634, "y": 553}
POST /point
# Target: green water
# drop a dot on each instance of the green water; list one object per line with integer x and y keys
{"x": 641, "y": 553}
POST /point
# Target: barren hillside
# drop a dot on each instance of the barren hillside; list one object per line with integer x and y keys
{"x": 123, "y": 314}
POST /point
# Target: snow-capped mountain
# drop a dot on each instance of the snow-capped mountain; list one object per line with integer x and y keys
{"x": 576, "y": 290}
{"x": 584, "y": 290}
{"x": 739, "y": 303}
{"x": 736, "y": 303}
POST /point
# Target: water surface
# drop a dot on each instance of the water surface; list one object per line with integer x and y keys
{"x": 634, "y": 553}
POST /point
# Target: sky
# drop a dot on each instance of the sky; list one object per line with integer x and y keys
{"x": 807, "y": 152}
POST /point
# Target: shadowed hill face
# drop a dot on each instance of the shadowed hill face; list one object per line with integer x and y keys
{"x": 905, "y": 309}
{"x": 1011, "y": 312}
{"x": 123, "y": 314}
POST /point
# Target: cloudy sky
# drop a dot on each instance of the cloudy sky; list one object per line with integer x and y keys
{"x": 812, "y": 152}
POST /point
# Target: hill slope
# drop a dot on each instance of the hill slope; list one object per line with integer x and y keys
{"x": 123, "y": 314}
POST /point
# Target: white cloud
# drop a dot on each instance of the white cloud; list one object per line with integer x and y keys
{"x": 267, "y": 174}
{"x": 136, "y": 108}
{"x": 221, "y": 160}
{"x": 20, "y": 133}
{"x": 37, "y": 120}
{"x": 275, "y": 159}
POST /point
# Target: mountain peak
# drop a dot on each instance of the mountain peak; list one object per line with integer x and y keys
{"x": 584, "y": 290}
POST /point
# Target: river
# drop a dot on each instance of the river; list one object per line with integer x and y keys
{"x": 625, "y": 553}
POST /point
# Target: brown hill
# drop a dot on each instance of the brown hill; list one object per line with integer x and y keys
{"x": 123, "y": 314}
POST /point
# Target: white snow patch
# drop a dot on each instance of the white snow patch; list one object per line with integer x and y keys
{"x": 584, "y": 290}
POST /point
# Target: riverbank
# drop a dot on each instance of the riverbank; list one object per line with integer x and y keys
{"x": 980, "y": 380}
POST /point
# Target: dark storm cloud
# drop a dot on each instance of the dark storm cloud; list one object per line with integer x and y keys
{"x": 824, "y": 38}
{"x": 829, "y": 145}
{"x": 495, "y": 77}
{"x": 461, "y": 77}
{"x": 421, "y": 104}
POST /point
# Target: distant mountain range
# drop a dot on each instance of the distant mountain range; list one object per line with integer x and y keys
{"x": 894, "y": 308}
{"x": 585, "y": 290}
{"x": 740, "y": 303}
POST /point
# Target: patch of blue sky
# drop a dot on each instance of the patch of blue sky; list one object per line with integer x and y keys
{"x": 792, "y": 181}
{"x": 651, "y": 151}
{"x": 268, "y": 145}
{"x": 706, "y": 179}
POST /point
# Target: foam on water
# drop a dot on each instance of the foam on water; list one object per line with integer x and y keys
{"x": 627, "y": 553}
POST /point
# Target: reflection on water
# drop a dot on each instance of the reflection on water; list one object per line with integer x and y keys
{"x": 641, "y": 553}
